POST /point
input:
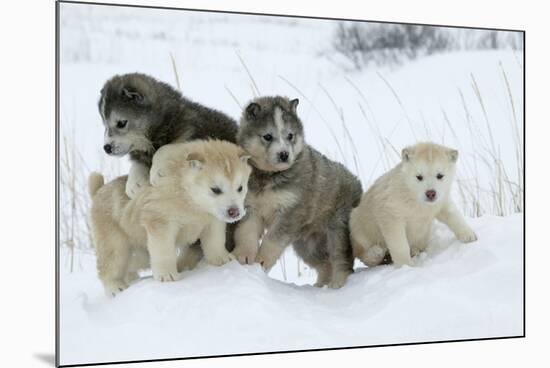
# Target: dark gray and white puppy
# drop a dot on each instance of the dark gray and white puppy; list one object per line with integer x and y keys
{"x": 296, "y": 195}
{"x": 141, "y": 114}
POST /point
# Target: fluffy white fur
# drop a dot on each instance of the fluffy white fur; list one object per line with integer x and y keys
{"x": 154, "y": 227}
{"x": 397, "y": 212}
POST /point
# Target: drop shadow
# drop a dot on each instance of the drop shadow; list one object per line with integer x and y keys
{"x": 46, "y": 358}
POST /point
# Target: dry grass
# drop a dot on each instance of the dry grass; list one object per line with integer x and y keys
{"x": 75, "y": 230}
{"x": 74, "y": 202}
{"x": 175, "y": 70}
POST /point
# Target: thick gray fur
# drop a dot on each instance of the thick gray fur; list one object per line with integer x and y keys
{"x": 161, "y": 113}
{"x": 317, "y": 224}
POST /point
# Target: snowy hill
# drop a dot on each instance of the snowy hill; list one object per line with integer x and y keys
{"x": 454, "y": 291}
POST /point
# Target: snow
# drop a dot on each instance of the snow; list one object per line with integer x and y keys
{"x": 360, "y": 118}
{"x": 453, "y": 291}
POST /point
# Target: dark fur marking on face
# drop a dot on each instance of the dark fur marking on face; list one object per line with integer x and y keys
{"x": 261, "y": 114}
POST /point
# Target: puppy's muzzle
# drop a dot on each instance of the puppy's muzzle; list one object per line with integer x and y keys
{"x": 233, "y": 212}
{"x": 431, "y": 195}
{"x": 283, "y": 156}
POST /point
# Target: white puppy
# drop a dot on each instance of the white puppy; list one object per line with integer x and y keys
{"x": 397, "y": 212}
{"x": 198, "y": 187}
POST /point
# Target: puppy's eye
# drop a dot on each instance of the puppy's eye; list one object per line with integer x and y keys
{"x": 419, "y": 177}
{"x": 240, "y": 189}
{"x": 290, "y": 136}
{"x": 440, "y": 176}
{"x": 216, "y": 190}
{"x": 268, "y": 137}
{"x": 121, "y": 124}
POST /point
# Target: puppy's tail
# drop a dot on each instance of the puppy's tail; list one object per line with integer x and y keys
{"x": 95, "y": 181}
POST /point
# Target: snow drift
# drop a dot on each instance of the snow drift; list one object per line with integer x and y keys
{"x": 454, "y": 291}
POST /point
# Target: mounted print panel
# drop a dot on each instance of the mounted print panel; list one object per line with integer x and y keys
{"x": 243, "y": 183}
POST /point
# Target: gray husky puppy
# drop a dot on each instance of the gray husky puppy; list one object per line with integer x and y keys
{"x": 296, "y": 195}
{"x": 141, "y": 114}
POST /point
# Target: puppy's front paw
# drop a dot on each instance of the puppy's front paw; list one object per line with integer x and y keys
{"x": 245, "y": 255}
{"x": 402, "y": 260}
{"x": 219, "y": 259}
{"x": 373, "y": 256}
{"x": 320, "y": 284}
{"x": 166, "y": 276}
{"x": 266, "y": 259}
{"x": 113, "y": 288}
{"x": 156, "y": 176}
{"x": 134, "y": 185}
{"x": 131, "y": 277}
{"x": 338, "y": 280}
{"x": 336, "y": 284}
{"x": 466, "y": 236}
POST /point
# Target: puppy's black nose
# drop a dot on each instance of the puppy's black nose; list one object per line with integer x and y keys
{"x": 233, "y": 212}
{"x": 430, "y": 194}
{"x": 108, "y": 148}
{"x": 283, "y": 156}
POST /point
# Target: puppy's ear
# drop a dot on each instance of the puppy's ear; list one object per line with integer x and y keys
{"x": 407, "y": 153}
{"x": 453, "y": 155}
{"x": 132, "y": 94}
{"x": 195, "y": 160}
{"x": 252, "y": 110}
{"x": 294, "y": 104}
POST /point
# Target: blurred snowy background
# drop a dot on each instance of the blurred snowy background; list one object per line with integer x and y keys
{"x": 366, "y": 90}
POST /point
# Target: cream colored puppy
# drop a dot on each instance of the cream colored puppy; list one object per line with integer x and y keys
{"x": 197, "y": 188}
{"x": 397, "y": 212}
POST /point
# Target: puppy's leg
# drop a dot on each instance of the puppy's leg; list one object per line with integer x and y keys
{"x": 450, "y": 216}
{"x": 396, "y": 239}
{"x": 131, "y": 277}
{"x": 113, "y": 253}
{"x": 375, "y": 255}
{"x": 324, "y": 273}
{"x": 138, "y": 177}
{"x": 340, "y": 256}
{"x": 213, "y": 244}
{"x": 420, "y": 239}
{"x": 273, "y": 245}
{"x": 190, "y": 257}
{"x": 363, "y": 248}
{"x": 161, "y": 168}
{"x": 161, "y": 242}
{"x": 247, "y": 239}
{"x": 139, "y": 260}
